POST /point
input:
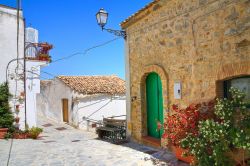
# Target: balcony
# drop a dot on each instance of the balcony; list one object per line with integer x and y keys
{"x": 38, "y": 51}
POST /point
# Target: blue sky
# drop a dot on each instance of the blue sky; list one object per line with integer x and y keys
{"x": 70, "y": 25}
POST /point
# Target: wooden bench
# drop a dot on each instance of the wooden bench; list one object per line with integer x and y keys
{"x": 112, "y": 129}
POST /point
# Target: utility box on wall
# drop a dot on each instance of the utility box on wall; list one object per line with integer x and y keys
{"x": 177, "y": 90}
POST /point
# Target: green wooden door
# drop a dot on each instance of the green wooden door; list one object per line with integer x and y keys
{"x": 154, "y": 104}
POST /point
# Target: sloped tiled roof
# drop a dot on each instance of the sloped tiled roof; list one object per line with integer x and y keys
{"x": 44, "y": 83}
{"x": 95, "y": 84}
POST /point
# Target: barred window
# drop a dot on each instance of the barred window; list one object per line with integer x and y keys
{"x": 241, "y": 83}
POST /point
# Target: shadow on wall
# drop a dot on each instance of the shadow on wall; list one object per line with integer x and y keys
{"x": 43, "y": 107}
{"x": 96, "y": 108}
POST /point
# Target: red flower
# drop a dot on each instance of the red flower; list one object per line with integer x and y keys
{"x": 175, "y": 107}
{"x": 180, "y": 122}
{"x": 159, "y": 126}
{"x": 164, "y": 135}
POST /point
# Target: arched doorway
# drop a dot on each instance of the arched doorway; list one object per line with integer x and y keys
{"x": 154, "y": 104}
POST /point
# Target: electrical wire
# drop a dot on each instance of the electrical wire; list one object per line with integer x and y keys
{"x": 64, "y": 58}
{"x": 99, "y": 108}
{"x": 17, "y": 37}
{"x": 17, "y": 44}
{"x": 16, "y": 70}
{"x": 86, "y": 50}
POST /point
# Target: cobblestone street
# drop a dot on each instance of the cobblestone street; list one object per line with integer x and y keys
{"x": 61, "y": 145}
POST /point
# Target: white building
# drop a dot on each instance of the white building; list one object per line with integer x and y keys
{"x": 8, "y": 54}
{"x": 31, "y": 36}
{"x": 74, "y": 99}
{"x": 15, "y": 71}
{"x": 33, "y": 67}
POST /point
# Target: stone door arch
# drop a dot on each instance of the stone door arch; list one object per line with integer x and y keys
{"x": 163, "y": 76}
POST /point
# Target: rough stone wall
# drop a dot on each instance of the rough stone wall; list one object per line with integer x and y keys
{"x": 196, "y": 42}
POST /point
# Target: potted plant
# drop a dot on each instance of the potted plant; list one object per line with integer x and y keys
{"x": 224, "y": 140}
{"x": 22, "y": 94}
{"x": 44, "y": 57}
{"x": 180, "y": 123}
{"x": 3, "y": 132}
{"x": 6, "y": 117}
{"x": 17, "y": 108}
{"x": 34, "y": 132}
{"x": 17, "y": 119}
{"x": 19, "y": 134}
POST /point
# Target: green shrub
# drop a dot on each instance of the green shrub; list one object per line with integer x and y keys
{"x": 6, "y": 117}
{"x": 34, "y": 132}
{"x": 220, "y": 138}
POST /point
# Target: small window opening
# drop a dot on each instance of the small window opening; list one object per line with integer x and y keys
{"x": 242, "y": 83}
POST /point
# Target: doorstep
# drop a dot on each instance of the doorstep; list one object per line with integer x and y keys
{"x": 150, "y": 141}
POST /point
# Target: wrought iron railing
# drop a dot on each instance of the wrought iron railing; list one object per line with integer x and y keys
{"x": 38, "y": 51}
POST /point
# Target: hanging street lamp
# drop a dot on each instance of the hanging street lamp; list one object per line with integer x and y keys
{"x": 102, "y": 17}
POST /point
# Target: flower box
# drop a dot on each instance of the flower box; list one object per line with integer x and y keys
{"x": 3, "y": 132}
{"x": 44, "y": 57}
{"x": 20, "y": 135}
{"x": 179, "y": 154}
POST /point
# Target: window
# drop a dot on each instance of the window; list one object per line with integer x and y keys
{"x": 242, "y": 83}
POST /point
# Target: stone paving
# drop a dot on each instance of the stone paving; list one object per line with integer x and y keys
{"x": 66, "y": 146}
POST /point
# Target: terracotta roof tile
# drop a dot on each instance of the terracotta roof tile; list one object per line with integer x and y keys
{"x": 95, "y": 84}
{"x": 45, "y": 82}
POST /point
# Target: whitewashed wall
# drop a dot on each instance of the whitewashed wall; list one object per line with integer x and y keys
{"x": 32, "y": 89}
{"x": 8, "y": 51}
{"x": 97, "y": 107}
{"x": 49, "y": 104}
{"x": 49, "y": 101}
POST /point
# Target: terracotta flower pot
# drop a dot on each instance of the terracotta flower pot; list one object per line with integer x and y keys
{"x": 20, "y": 135}
{"x": 17, "y": 119}
{"x": 3, "y": 132}
{"x": 22, "y": 94}
{"x": 42, "y": 58}
{"x": 33, "y": 136}
{"x": 178, "y": 153}
{"x": 17, "y": 108}
{"x": 237, "y": 156}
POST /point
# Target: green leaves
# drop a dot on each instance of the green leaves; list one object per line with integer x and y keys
{"x": 6, "y": 117}
{"x": 34, "y": 132}
{"x": 227, "y": 132}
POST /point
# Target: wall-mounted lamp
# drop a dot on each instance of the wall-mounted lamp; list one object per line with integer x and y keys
{"x": 102, "y": 17}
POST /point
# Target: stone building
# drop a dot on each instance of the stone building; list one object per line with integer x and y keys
{"x": 181, "y": 52}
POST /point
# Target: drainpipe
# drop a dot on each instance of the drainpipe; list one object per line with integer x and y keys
{"x": 24, "y": 72}
{"x": 128, "y": 97}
